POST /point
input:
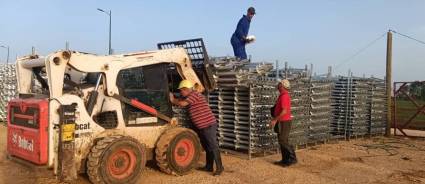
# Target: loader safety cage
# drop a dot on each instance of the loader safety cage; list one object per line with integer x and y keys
{"x": 197, "y": 52}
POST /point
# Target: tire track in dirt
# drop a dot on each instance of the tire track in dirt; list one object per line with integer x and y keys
{"x": 343, "y": 162}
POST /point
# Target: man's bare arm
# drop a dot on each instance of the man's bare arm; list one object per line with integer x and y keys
{"x": 181, "y": 103}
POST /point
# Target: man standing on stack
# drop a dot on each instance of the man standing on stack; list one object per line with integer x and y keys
{"x": 240, "y": 36}
{"x": 204, "y": 121}
{"x": 283, "y": 120}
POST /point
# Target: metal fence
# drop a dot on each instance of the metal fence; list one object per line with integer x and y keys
{"x": 408, "y": 106}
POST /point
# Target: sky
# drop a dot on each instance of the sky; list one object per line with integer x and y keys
{"x": 319, "y": 32}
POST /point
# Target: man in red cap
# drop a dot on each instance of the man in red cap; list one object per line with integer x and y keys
{"x": 283, "y": 120}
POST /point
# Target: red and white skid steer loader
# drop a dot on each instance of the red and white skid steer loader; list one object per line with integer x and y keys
{"x": 103, "y": 115}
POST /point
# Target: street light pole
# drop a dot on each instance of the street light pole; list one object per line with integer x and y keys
{"x": 110, "y": 32}
{"x": 7, "y": 59}
{"x": 110, "y": 28}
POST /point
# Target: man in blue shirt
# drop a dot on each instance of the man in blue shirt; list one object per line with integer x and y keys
{"x": 239, "y": 39}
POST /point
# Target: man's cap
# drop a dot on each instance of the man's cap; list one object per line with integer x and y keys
{"x": 251, "y": 10}
{"x": 285, "y": 83}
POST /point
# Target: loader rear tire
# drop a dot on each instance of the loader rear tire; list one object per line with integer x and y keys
{"x": 116, "y": 159}
{"x": 177, "y": 151}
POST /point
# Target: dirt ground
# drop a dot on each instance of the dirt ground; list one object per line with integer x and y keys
{"x": 375, "y": 160}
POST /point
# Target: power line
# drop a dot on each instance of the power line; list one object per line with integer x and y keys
{"x": 419, "y": 41}
{"x": 360, "y": 51}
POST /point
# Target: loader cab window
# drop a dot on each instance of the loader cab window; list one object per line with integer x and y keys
{"x": 39, "y": 86}
{"x": 173, "y": 78}
{"x": 149, "y": 85}
{"x": 39, "y": 83}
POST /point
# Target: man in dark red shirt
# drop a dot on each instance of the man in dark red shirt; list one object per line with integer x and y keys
{"x": 205, "y": 123}
{"x": 282, "y": 119}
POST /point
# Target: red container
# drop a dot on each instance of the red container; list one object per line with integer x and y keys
{"x": 27, "y": 129}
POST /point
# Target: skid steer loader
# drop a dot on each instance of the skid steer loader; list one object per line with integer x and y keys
{"x": 109, "y": 127}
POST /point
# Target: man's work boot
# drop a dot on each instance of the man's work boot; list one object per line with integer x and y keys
{"x": 284, "y": 156}
{"x": 219, "y": 165}
{"x": 292, "y": 156}
{"x": 289, "y": 158}
{"x": 209, "y": 162}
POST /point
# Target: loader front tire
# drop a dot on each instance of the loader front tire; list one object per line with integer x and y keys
{"x": 177, "y": 151}
{"x": 116, "y": 159}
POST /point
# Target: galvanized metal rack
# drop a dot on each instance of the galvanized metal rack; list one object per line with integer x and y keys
{"x": 358, "y": 107}
{"x": 320, "y": 110}
{"x": 378, "y": 107}
{"x": 242, "y": 103}
{"x": 8, "y": 87}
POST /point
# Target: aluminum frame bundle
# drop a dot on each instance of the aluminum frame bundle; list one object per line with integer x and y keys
{"x": 8, "y": 87}
{"x": 378, "y": 107}
{"x": 232, "y": 72}
{"x": 320, "y": 110}
{"x": 300, "y": 109}
{"x": 359, "y": 107}
{"x": 311, "y": 106}
{"x": 242, "y": 104}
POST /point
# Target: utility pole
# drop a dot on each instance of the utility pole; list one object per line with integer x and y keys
{"x": 388, "y": 81}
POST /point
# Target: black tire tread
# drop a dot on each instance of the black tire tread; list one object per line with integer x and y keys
{"x": 162, "y": 148}
{"x": 94, "y": 158}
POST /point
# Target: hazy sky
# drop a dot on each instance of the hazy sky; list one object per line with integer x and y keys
{"x": 322, "y": 32}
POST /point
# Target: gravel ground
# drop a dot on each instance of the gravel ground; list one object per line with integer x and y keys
{"x": 376, "y": 160}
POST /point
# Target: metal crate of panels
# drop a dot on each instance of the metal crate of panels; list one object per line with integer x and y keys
{"x": 300, "y": 108}
{"x": 8, "y": 87}
{"x": 244, "y": 121}
{"x": 359, "y": 107}
{"x": 320, "y": 110}
{"x": 242, "y": 101}
{"x": 342, "y": 114}
{"x": 378, "y": 107}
